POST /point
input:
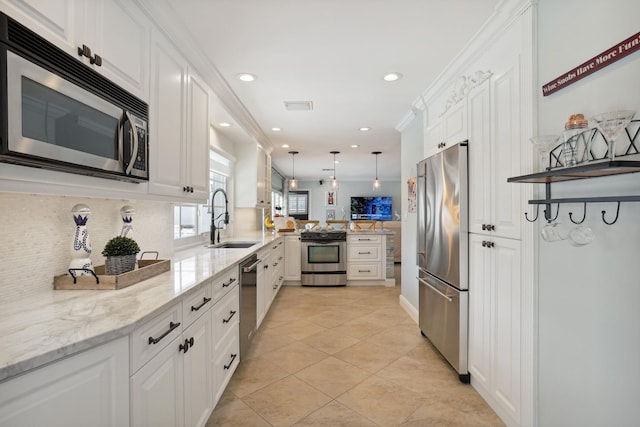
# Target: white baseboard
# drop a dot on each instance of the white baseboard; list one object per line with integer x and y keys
{"x": 411, "y": 310}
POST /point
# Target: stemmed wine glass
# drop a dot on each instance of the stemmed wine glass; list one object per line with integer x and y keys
{"x": 611, "y": 124}
{"x": 543, "y": 144}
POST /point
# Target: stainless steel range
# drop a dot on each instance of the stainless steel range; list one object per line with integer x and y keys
{"x": 324, "y": 258}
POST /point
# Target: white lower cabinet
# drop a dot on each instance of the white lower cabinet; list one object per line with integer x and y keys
{"x": 86, "y": 389}
{"x": 494, "y": 322}
{"x": 182, "y": 382}
{"x": 157, "y": 390}
{"x": 293, "y": 257}
{"x": 364, "y": 257}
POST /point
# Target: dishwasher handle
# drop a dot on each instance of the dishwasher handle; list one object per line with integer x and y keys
{"x": 251, "y": 267}
{"x": 448, "y": 298}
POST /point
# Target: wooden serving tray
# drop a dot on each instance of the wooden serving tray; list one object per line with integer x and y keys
{"x": 146, "y": 268}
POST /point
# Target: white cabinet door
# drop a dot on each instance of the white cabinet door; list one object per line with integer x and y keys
{"x": 198, "y": 375}
{"x": 480, "y": 297}
{"x": 506, "y": 318}
{"x": 157, "y": 390}
{"x": 480, "y": 159}
{"x": 494, "y": 320}
{"x": 168, "y": 82}
{"x": 196, "y": 165}
{"x": 432, "y": 139}
{"x": 505, "y": 98}
{"x": 494, "y": 156}
{"x": 454, "y": 124}
{"x": 292, "y": 257}
{"x": 118, "y": 32}
{"x": 253, "y": 177}
{"x": 87, "y": 389}
{"x": 52, "y": 19}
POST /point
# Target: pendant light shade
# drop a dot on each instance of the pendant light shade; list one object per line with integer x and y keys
{"x": 376, "y": 182}
{"x": 293, "y": 183}
{"x": 334, "y": 181}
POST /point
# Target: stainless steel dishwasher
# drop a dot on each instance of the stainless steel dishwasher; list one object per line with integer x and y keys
{"x": 248, "y": 274}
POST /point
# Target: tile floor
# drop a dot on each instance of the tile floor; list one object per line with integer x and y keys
{"x": 345, "y": 357}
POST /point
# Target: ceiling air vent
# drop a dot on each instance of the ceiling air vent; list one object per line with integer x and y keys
{"x": 298, "y": 105}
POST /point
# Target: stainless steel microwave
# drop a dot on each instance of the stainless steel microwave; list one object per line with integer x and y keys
{"x": 60, "y": 114}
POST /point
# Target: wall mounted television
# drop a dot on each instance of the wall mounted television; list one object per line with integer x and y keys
{"x": 374, "y": 208}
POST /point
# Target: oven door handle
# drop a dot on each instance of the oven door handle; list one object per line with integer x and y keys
{"x": 448, "y": 298}
{"x": 323, "y": 242}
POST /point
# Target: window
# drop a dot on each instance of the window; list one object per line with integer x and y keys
{"x": 193, "y": 220}
{"x": 277, "y": 202}
{"x": 298, "y": 204}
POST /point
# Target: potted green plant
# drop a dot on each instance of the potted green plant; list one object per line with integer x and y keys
{"x": 121, "y": 255}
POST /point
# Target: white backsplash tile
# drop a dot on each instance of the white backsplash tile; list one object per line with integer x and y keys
{"x": 37, "y": 232}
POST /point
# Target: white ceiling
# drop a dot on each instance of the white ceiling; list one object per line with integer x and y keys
{"x": 333, "y": 53}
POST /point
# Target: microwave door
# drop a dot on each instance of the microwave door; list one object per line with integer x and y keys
{"x": 57, "y": 120}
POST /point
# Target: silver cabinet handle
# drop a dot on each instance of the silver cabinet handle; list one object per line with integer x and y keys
{"x": 364, "y": 253}
{"x": 448, "y": 298}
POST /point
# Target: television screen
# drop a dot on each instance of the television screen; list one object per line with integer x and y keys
{"x": 374, "y": 208}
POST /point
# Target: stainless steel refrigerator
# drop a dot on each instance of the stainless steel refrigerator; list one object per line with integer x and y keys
{"x": 443, "y": 254}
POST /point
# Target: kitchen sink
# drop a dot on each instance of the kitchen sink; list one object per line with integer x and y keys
{"x": 232, "y": 245}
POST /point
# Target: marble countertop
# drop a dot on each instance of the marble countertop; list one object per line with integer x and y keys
{"x": 47, "y": 326}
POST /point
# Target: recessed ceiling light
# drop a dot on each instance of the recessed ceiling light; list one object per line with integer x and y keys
{"x": 285, "y": 146}
{"x": 276, "y": 129}
{"x": 355, "y": 146}
{"x": 364, "y": 129}
{"x": 224, "y": 124}
{"x": 392, "y": 77}
{"x": 247, "y": 77}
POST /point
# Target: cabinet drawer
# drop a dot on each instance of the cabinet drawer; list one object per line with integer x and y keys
{"x": 226, "y": 361}
{"x": 195, "y": 304}
{"x": 363, "y": 271}
{"x": 226, "y": 315}
{"x": 224, "y": 283}
{"x": 152, "y": 336}
{"x": 364, "y": 239}
{"x": 364, "y": 253}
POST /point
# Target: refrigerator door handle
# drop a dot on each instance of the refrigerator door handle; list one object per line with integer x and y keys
{"x": 448, "y": 298}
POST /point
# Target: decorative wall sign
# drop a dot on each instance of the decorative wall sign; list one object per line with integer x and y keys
{"x": 330, "y": 198}
{"x": 412, "y": 195}
{"x": 609, "y": 56}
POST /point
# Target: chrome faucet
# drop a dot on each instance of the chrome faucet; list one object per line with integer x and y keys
{"x": 226, "y": 214}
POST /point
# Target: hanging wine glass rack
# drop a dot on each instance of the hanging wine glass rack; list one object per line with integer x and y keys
{"x": 591, "y": 148}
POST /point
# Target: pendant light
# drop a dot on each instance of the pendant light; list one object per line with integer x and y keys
{"x": 334, "y": 181}
{"x": 376, "y": 182}
{"x": 293, "y": 184}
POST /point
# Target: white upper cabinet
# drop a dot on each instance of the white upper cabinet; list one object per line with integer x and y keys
{"x": 115, "y": 33}
{"x": 253, "y": 178}
{"x": 494, "y": 155}
{"x": 179, "y": 124}
{"x": 119, "y": 33}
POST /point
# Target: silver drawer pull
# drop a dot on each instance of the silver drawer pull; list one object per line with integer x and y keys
{"x": 364, "y": 271}
{"x": 364, "y": 253}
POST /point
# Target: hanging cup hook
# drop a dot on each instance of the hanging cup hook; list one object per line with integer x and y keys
{"x": 615, "y": 219}
{"x": 537, "y": 213}
{"x": 584, "y": 215}
{"x": 547, "y": 215}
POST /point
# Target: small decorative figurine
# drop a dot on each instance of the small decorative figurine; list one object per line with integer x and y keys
{"x": 126, "y": 212}
{"x": 81, "y": 244}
